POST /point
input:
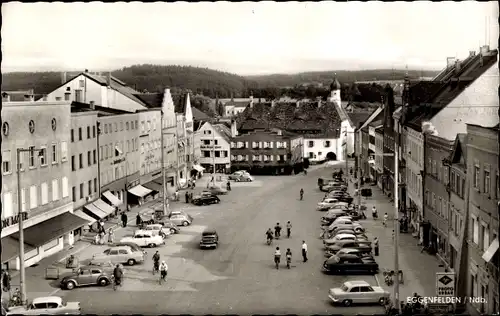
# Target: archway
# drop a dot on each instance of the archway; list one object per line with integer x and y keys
{"x": 331, "y": 156}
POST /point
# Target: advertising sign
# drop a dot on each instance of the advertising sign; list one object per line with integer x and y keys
{"x": 445, "y": 284}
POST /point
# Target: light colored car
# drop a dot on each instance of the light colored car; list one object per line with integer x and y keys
{"x": 84, "y": 276}
{"x": 145, "y": 238}
{"x": 327, "y": 203}
{"x": 346, "y": 219}
{"x": 47, "y": 305}
{"x": 159, "y": 229}
{"x": 344, "y": 237}
{"x": 338, "y": 242}
{"x": 355, "y": 292}
{"x": 235, "y": 175}
{"x": 181, "y": 219}
{"x": 245, "y": 177}
{"x": 120, "y": 254}
{"x": 345, "y": 224}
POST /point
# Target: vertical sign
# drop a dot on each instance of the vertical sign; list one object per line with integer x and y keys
{"x": 445, "y": 284}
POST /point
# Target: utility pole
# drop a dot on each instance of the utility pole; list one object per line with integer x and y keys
{"x": 164, "y": 180}
{"x": 213, "y": 157}
{"x": 359, "y": 168}
{"x": 397, "y": 303}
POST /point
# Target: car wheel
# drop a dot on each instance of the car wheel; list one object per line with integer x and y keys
{"x": 382, "y": 301}
{"x": 217, "y": 201}
{"x": 347, "y": 302}
{"x": 103, "y": 282}
{"x": 130, "y": 262}
{"x": 172, "y": 231}
{"x": 151, "y": 245}
{"x": 70, "y": 285}
{"x": 185, "y": 223}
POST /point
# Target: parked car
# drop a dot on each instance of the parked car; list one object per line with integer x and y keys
{"x": 358, "y": 292}
{"x": 245, "y": 177}
{"x": 133, "y": 246}
{"x": 120, "y": 254}
{"x": 356, "y": 227}
{"x": 362, "y": 245}
{"x": 343, "y": 197}
{"x": 332, "y": 215}
{"x": 145, "y": 238}
{"x": 345, "y": 224}
{"x": 167, "y": 227}
{"x": 346, "y": 238}
{"x": 205, "y": 199}
{"x": 85, "y": 276}
{"x": 324, "y": 181}
{"x": 177, "y": 212}
{"x": 209, "y": 239}
{"x": 333, "y": 187}
{"x": 181, "y": 219}
{"x": 217, "y": 190}
{"x": 47, "y": 305}
{"x": 327, "y": 203}
{"x": 333, "y": 193}
{"x": 235, "y": 175}
{"x": 348, "y": 264}
{"x": 357, "y": 252}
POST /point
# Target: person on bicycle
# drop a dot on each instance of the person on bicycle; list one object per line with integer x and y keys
{"x": 277, "y": 257}
{"x": 269, "y": 235}
{"x": 288, "y": 257}
{"x": 163, "y": 270}
{"x": 386, "y": 217}
{"x": 301, "y": 193}
{"x": 288, "y": 229}
{"x": 277, "y": 230}
{"x": 118, "y": 274}
{"x": 156, "y": 260}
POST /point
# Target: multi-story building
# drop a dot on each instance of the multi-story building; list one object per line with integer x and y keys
{"x": 372, "y": 150}
{"x": 150, "y": 149}
{"x": 44, "y": 173}
{"x": 264, "y": 151}
{"x": 215, "y": 147}
{"x": 119, "y": 153}
{"x": 362, "y": 141}
{"x": 197, "y": 145}
{"x": 365, "y": 151}
{"x": 437, "y": 151}
{"x": 379, "y": 158}
{"x": 234, "y": 106}
{"x": 182, "y": 174}
{"x": 18, "y": 95}
{"x": 483, "y": 199}
{"x": 389, "y": 142}
{"x": 101, "y": 89}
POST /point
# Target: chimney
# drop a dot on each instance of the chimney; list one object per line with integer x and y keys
{"x": 63, "y": 77}
{"x": 450, "y": 62}
{"x": 92, "y": 105}
{"x": 234, "y": 130}
{"x": 484, "y": 50}
{"x": 5, "y": 97}
{"x": 472, "y": 53}
{"x": 109, "y": 79}
{"x": 86, "y": 71}
{"x": 457, "y": 66}
{"x": 44, "y": 98}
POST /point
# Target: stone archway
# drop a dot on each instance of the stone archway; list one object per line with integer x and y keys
{"x": 331, "y": 156}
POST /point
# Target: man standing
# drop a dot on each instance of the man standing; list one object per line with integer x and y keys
{"x": 187, "y": 196}
{"x": 304, "y": 250}
{"x": 375, "y": 245}
{"x": 124, "y": 219}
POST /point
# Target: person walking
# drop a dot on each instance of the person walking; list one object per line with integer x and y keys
{"x": 124, "y": 218}
{"x": 138, "y": 220}
{"x": 101, "y": 238}
{"x": 111, "y": 235}
{"x": 375, "y": 246}
{"x": 304, "y": 250}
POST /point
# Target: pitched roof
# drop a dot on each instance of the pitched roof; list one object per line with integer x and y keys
{"x": 459, "y": 148}
{"x": 151, "y": 100}
{"x": 223, "y": 130}
{"x": 116, "y": 85}
{"x": 237, "y": 104}
{"x": 199, "y": 115}
{"x": 377, "y": 114}
{"x": 376, "y": 123}
{"x": 357, "y": 118}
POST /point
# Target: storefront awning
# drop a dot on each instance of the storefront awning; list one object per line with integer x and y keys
{"x": 103, "y": 206}
{"x": 139, "y": 191}
{"x": 153, "y": 186}
{"x": 10, "y": 248}
{"x": 490, "y": 252}
{"x": 112, "y": 198}
{"x": 42, "y": 233}
{"x": 94, "y": 211}
{"x": 198, "y": 168}
{"x": 90, "y": 220}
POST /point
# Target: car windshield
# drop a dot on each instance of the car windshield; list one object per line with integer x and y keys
{"x": 344, "y": 288}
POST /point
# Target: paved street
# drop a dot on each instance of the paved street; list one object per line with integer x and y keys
{"x": 238, "y": 277}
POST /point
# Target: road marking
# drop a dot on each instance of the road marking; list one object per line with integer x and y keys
{"x": 376, "y": 280}
{"x": 54, "y": 292}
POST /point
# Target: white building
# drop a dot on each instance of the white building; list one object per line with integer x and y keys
{"x": 215, "y": 146}
{"x": 102, "y": 90}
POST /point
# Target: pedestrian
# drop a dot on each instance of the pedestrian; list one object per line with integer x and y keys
{"x": 304, "y": 250}
{"x": 111, "y": 234}
{"x": 96, "y": 239}
{"x": 187, "y": 197}
{"x": 393, "y": 234}
{"x": 375, "y": 246}
{"x": 124, "y": 219}
{"x": 194, "y": 183}
{"x": 6, "y": 281}
{"x": 138, "y": 220}
{"x": 101, "y": 224}
{"x": 190, "y": 196}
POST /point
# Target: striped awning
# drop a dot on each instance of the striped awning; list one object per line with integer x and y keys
{"x": 86, "y": 217}
{"x": 112, "y": 198}
{"x": 139, "y": 191}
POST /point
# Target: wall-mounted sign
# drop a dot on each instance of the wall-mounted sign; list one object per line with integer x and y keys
{"x": 13, "y": 220}
{"x": 210, "y": 147}
{"x": 117, "y": 161}
{"x": 445, "y": 284}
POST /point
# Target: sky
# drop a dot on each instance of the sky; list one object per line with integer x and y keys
{"x": 245, "y": 38}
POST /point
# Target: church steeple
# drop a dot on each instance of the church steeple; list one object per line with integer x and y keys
{"x": 335, "y": 91}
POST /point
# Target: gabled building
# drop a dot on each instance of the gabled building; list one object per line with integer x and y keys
{"x": 215, "y": 147}
{"x": 98, "y": 89}
{"x": 235, "y": 106}
{"x": 379, "y": 158}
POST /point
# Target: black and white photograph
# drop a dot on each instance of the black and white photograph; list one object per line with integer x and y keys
{"x": 328, "y": 158}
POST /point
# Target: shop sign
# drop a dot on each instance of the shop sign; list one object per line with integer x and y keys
{"x": 117, "y": 161}
{"x": 210, "y": 147}
{"x": 445, "y": 284}
{"x": 13, "y": 220}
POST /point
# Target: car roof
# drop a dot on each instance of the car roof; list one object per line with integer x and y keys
{"x": 45, "y": 299}
{"x": 142, "y": 231}
{"x": 345, "y": 235}
{"x": 209, "y": 231}
{"x": 356, "y": 283}
{"x": 120, "y": 247}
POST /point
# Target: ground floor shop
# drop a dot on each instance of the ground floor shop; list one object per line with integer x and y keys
{"x": 219, "y": 167}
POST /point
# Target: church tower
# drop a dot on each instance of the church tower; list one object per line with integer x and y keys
{"x": 335, "y": 92}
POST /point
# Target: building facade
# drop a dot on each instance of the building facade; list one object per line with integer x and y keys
{"x": 379, "y": 158}
{"x": 182, "y": 153}
{"x": 483, "y": 197}
{"x": 320, "y": 149}
{"x": 372, "y": 150}
{"x": 215, "y": 146}
{"x": 149, "y": 144}
{"x": 43, "y": 131}
{"x": 389, "y": 142}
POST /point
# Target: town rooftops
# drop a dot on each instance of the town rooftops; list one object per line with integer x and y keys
{"x": 358, "y": 118}
{"x": 237, "y": 104}
{"x": 114, "y": 84}
{"x": 376, "y": 124}
{"x": 102, "y": 111}
{"x": 223, "y": 130}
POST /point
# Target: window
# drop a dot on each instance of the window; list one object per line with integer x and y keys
{"x": 32, "y": 157}
{"x": 55, "y": 190}
{"x": 65, "y": 187}
{"x": 54, "y": 153}
{"x": 206, "y": 142}
{"x": 310, "y": 143}
{"x": 217, "y": 154}
{"x": 72, "y": 135}
{"x": 6, "y": 162}
{"x": 311, "y": 155}
{"x": 33, "y": 197}
{"x": 95, "y": 185}
{"x": 81, "y": 190}
{"x": 7, "y": 207}
{"x": 116, "y": 127}
{"x": 94, "y": 154}
{"x": 485, "y": 234}
{"x": 64, "y": 151}
{"x": 89, "y": 185}
{"x": 105, "y": 128}
{"x": 82, "y": 84}
{"x": 89, "y": 158}
{"x": 80, "y": 133}
{"x": 476, "y": 176}
{"x": 43, "y": 156}
{"x": 206, "y": 153}
{"x": 22, "y": 157}
{"x": 45, "y": 193}
{"x": 93, "y": 131}
{"x": 126, "y": 126}
{"x": 80, "y": 158}
{"x": 475, "y": 229}
{"x": 121, "y": 126}
{"x": 327, "y": 143}
{"x": 487, "y": 180}
{"x": 88, "y": 132}
{"x": 143, "y": 127}
{"x": 73, "y": 194}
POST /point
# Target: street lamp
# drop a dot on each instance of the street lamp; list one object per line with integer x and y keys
{"x": 166, "y": 205}
{"x": 22, "y": 274}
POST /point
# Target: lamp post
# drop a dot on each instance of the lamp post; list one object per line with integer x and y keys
{"x": 22, "y": 274}
{"x": 213, "y": 155}
{"x": 166, "y": 205}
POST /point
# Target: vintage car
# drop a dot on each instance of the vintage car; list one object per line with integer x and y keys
{"x": 342, "y": 197}
{"x": 166, "y": 227}
{"x": 245, "y": 177}
{"x": 331, "y": 216}
{"x": 120, "y": 254}
{"x": 345, "y": 238}
{"x": 209, "y": 239}
{"x": 358, "y": 292}
{"x": 181, "y": 219}
{"x": 205, "y": 199}
{"x": 47, "y": 305}
{"x": 327, "y": 203}
{"x": 325, "y": 181}
{"x": 85, "y": 276}
{"x": 216, "y": 190}
{"x": 333, "y": 186}
{"x": 235, "y": 175}
{"x": 362, "y": 244}
{"x": 358, "y": 252}
{"x": 349, "y": 264}
{"x": 145, "y": 238}
{"x": 345, "y": 224}
{"x": 132, "y": 245}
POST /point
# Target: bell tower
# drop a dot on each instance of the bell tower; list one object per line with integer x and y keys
{"x": 335, "y": 92}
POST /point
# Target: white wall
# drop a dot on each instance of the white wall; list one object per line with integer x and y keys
{"x": 319, "y": 147}
{"x": 414, "y": 163}
{"x": 221, "y": 141}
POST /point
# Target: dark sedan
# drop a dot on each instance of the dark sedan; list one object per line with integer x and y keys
{"x": 350, "y": 264}
{"x": 206, "y": 199}
{"x": 343, "y": 197}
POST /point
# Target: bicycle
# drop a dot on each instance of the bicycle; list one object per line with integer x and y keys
{"x": 277, "y": 262}
{"x": 156, "y": 267}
